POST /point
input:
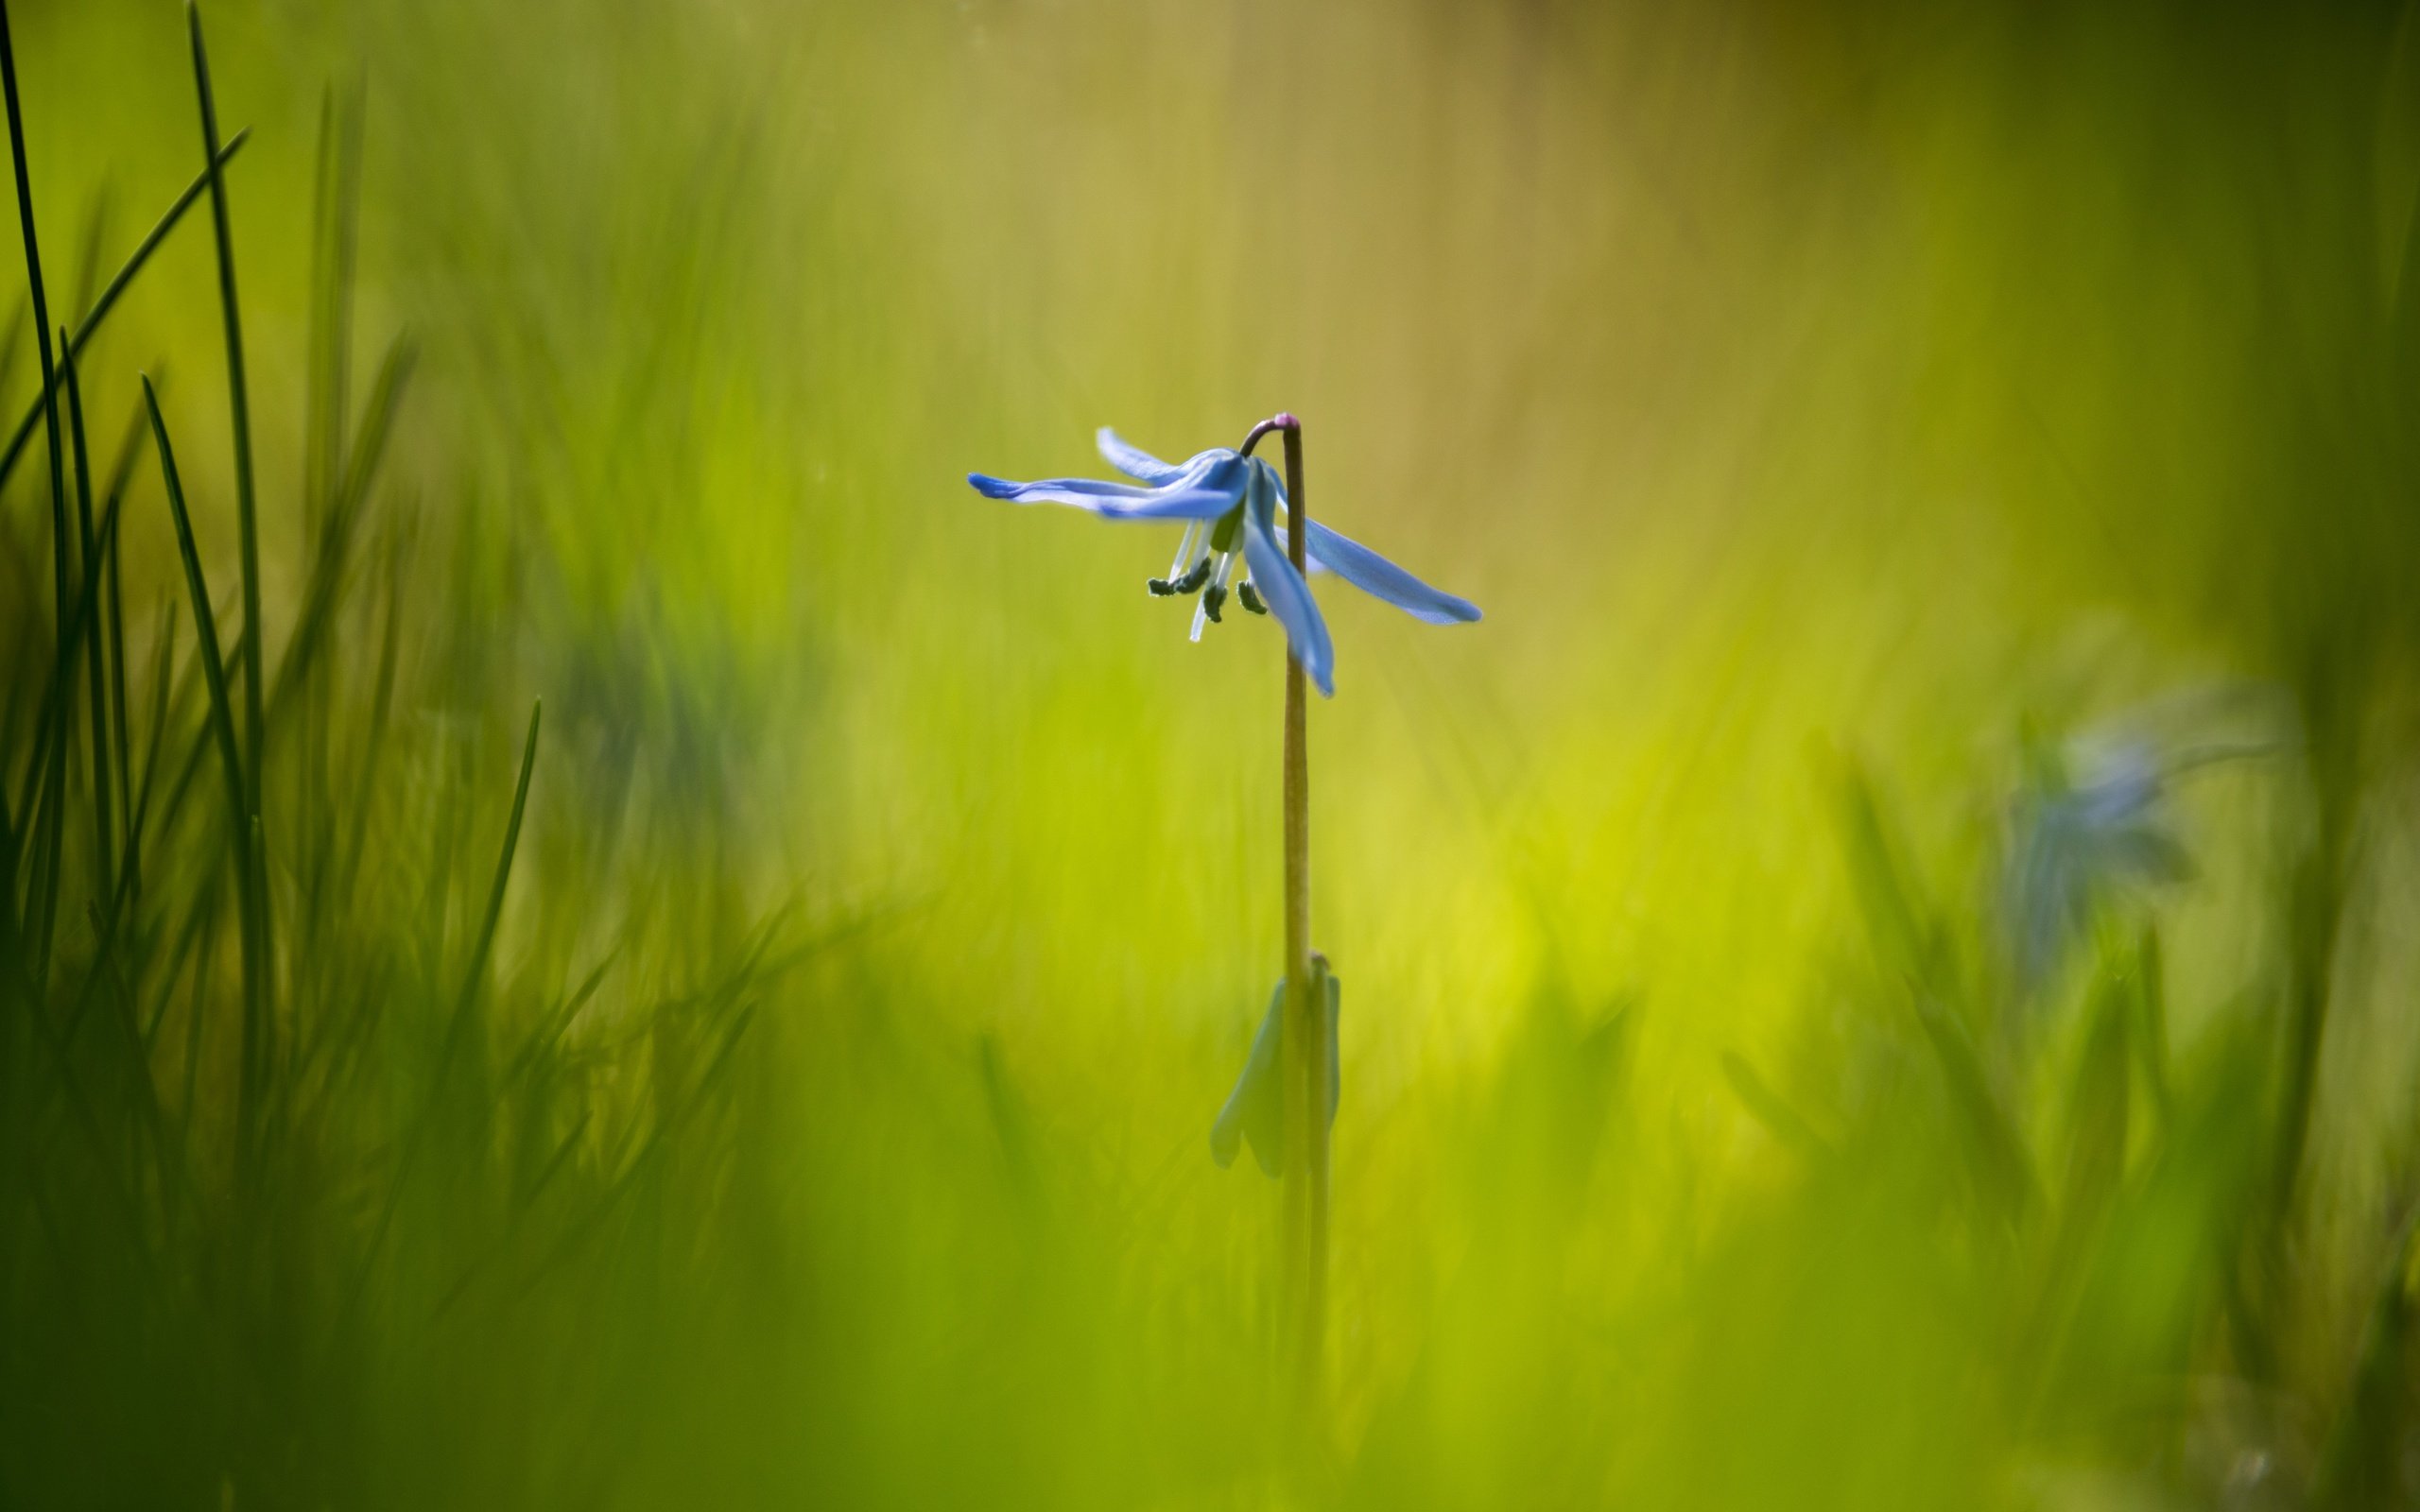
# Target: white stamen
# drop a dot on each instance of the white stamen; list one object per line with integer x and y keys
{"x": 1185, "y": 551}
{"x": 1218, "y": 584}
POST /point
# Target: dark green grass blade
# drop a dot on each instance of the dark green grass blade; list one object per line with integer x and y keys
{"x": 2098, "y": 1108}
{"x": 54, "y": 713}
{"x": 89, "y": 326}
{"x": 1903, "y": 935}
{"x": 16, "y": 332}
{"x": 163, "y": 680}
{"x": 336, "y": 236}
{"x": 50, "y": 737}
{"x": 322, "y": 595}
{"x": 56, "y": 782}
{"x": 382, "y": 701}
{"x": 240, "y": 408}
{"x": 335, "y": 215}
{"x": 1770, "y": 1108}
{"x": 214, "y": 669}
{"x": 475, "y": 976}
{"x": 476, "y": 972}
{"x": 113, "y": 623}
{"x": 95, "y": 663}
{"x": 2150, "y": 1032}
{"x": 1995, "y": 1149}
{"x": 2362, "y": 1463}
{"x": 242, "y": 827}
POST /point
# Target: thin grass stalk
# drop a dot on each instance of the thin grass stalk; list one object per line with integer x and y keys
{"x": 458, "y": 1024}
{"x": 333, "y": 210}
{"x": 336, "y": 226}
{"x": 222, "y": 725}
{"x": 54, "y": 715}
{"x": 114, "y": 616}
{"x": 257, "y": 1021}
{"x": 56, "y": 777}
{"x": 95, "y": 662}
{"x": 90, "y": 325}
{"x": 382, "y": 700}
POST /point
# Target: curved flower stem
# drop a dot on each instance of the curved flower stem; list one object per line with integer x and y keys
{"x": 1306, "y": 1077}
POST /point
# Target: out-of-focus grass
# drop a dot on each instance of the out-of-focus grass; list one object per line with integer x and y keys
{"x": 1854, "y": 420}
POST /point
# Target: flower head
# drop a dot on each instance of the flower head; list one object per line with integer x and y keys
{"x": 1230, "y": 504}
{"x": 2092, "y": 823}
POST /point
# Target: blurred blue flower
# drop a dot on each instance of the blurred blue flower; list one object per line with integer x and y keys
{"x": 1230, "y": 504}
{"x": 2091, "y": 822}
{"x": 1255, "y": 1110}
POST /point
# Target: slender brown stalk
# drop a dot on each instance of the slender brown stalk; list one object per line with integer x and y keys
{"x": 1306, "y": 1041}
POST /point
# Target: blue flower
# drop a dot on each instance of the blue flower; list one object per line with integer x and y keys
{"x": 1230, "y": 504}
{"x": 2092, "y": 823}
{"x": 1255, "y": 1110}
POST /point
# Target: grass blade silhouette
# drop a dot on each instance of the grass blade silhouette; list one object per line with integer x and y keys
{"x": 95, "y": 662}
{"x": 474, "y": 976}
{"x": 222, "y": 725}
{"x": 55, "y": 779}
{"x": 91, "y": 324}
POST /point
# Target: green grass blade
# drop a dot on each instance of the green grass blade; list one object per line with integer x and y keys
{"x": 95, "y": 663}
{"x": 89, "y": 326}
{"x": 56, "y": 780}
{"x": 114, "y": 624}
{"x": 1995, "y": 1149}
{"x": 240, "y": 408}
{"x": 381, "y": 702}
{"x": 53, "y": 710}
{"x": 2360, "y": 1462}
{"x": 335, "y": 243}
{"x": 458, "y": 1024}
{"x": 476, "y": 972}
{"x": 241, "y": 826}
{"x": 1780, "y": 1120}
{"x": 319, "y": 597}
{"x": 213, "y": 668}
{"x": 162, "y": 681}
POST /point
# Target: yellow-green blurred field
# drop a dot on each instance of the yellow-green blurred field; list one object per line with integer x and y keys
{"x": 1879, "y": 975}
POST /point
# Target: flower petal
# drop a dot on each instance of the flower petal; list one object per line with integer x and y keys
{"x": 1111, "y": 501}
{"x": 1381, "y": 579}
{"x": 1289, "y": 598}
{"x": 1133, "y": 460}
{"x": 1086, "y": 490}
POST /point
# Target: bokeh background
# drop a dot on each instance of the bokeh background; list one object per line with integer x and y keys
{"x": 1878, "y": 975}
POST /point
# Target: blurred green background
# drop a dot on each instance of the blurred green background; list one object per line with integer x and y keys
{"x": 1877, "y": 976}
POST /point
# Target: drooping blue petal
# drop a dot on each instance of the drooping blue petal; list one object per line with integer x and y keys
{"x": 1256, "y": 1110}
{"x": 1111, "y": 501}
{"x": 1288, "y": 596}
{"x": 1133, "y": 460}
{"x": 1086, "y": 489}
{"x": 1381, "y": 579}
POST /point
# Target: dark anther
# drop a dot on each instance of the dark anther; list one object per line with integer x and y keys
{"x": 1192, "y": 581}
{"x": 1161, "y": 587}
{"x": 1211, "y": 601}
{"x": 1250, "y": 598}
